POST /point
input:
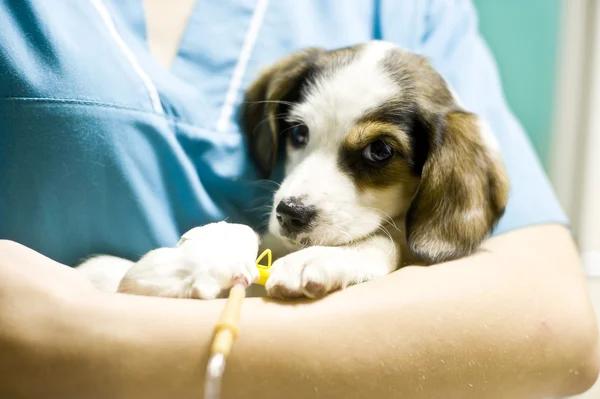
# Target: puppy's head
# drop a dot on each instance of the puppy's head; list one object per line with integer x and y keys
{"x": 373, "y": 135}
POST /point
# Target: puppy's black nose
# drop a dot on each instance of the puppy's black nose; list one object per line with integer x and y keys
{"x": 294, "y": 216}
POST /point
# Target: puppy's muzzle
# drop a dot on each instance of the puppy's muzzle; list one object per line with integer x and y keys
{"x": 294, "y": 217}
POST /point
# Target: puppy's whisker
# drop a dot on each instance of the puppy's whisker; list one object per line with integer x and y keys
{"x": 393, "y": 251}
{"x": 386, "y": 232}
{"x": 265, "y": 182}
{"x": 271, "y": 182}
{"x": 276, "y": 118}
{"x": 350, "y": 238}
{"x": 263, "y": 208}
{"x": 290, "y": 128}
{"x": 386, "y": 217}
{"x": 330, "y": 232}
{"x": 269, "y": 102}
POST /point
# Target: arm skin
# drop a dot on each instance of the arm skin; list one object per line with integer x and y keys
{"x": 513, "y": 321}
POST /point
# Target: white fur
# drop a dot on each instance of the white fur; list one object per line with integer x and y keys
{"x": 485, "y": 130}
{"x": 488, "y": 136}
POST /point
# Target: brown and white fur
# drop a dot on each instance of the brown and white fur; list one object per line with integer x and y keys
{"x": 383, "y": 167}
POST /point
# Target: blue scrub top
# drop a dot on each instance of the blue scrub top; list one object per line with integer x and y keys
{"x": 102, "y": 150}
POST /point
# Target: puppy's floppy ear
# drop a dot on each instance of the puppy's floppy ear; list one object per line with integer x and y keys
{"x": 268, "y": 97}
{"x": 462, "y": 194}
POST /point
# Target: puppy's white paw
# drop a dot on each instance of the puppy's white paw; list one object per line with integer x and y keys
{"x": 207, "y": 260}
{"x": 313, "y": 272}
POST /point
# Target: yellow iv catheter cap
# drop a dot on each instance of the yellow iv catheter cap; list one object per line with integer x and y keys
{"x": 264, "y": 271}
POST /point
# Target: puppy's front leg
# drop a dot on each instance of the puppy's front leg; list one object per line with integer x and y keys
{"x": 316, "y": 271}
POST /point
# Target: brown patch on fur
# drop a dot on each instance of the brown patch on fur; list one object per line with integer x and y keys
{"x": 462, "y": 194}
{"x": 396, "y": 171}
{"x": 464, "y": 187}
{"x": 366, "y": 132}
{"x": 265, "y": 100}
{"x": 418, "y": 80}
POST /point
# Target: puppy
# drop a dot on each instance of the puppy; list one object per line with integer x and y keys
{"x": 383, "y": 167}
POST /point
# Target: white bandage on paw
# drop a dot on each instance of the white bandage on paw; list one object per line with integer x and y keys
{"x": 206, "y": 260}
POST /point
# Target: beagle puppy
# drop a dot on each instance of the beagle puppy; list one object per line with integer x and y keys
{"x": 383, "y": 168}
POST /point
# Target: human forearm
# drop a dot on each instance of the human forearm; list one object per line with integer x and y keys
{"x": 505, "y": 323}
{"x": 499, "y": 324}
{"x": 487, "y": 326}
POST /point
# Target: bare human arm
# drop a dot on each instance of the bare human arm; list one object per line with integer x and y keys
{"x": 513, "y": 321}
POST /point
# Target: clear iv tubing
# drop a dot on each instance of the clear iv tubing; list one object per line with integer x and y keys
{"x": 226, "y": 330}
{"x": 214, "y": 376}
{"x": 226, "y": 333}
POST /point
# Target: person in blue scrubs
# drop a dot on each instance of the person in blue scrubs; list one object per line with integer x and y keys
{"x": 104, "y": 150}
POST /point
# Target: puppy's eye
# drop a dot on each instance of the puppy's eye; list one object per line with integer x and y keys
{"x": 299, "y": 136}
{"x": 378, "y": 153}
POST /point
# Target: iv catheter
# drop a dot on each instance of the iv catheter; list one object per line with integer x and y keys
{"x": 227, "y": 330}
